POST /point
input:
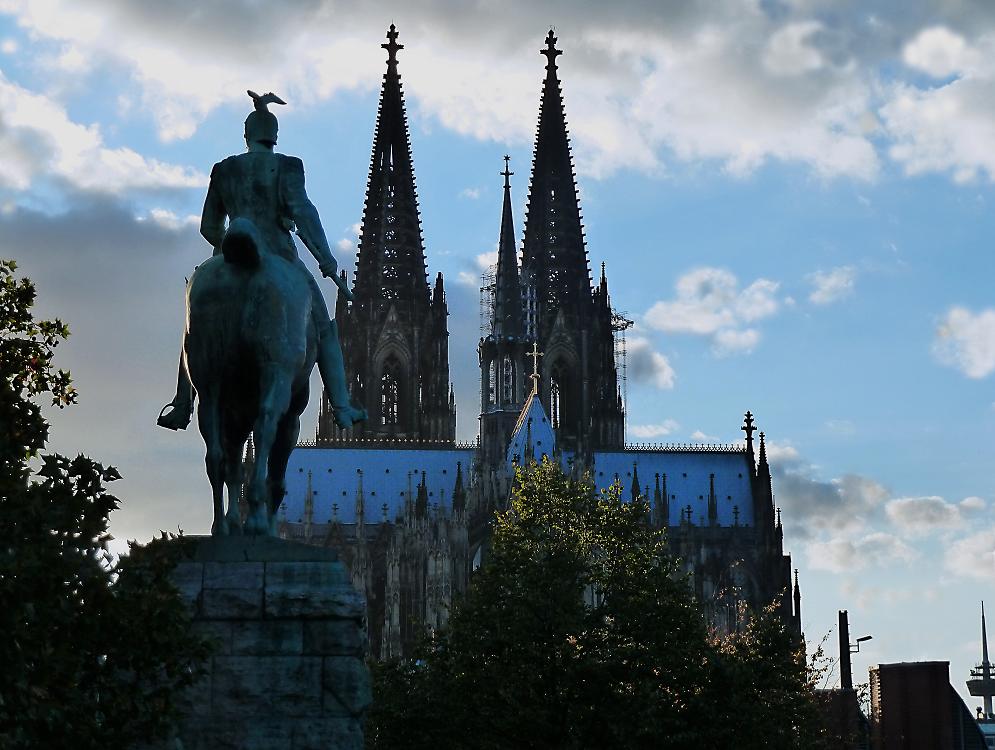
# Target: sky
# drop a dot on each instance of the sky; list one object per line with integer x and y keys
{"x": 793, "y": 199}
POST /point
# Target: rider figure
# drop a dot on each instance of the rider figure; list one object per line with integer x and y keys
{"x": 268, "y": 189}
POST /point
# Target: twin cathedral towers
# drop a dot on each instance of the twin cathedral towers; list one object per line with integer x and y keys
{"x": 395, "y": 335}
{"x": 407, "y": 507}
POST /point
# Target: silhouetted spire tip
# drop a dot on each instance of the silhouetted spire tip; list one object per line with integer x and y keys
{"x": 392, "y": 46}
{"x": 507, "y": 173}
{"x": 551, "y": 52}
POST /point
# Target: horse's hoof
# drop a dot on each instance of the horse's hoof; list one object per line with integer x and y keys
{"x": 178, "y": 418}
{"x": 219, "y": 528}
{"x": 346, "y": 416}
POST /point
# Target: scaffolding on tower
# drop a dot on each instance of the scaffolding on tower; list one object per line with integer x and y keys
{"x": 488, "y": 285}
{"x": 620, "y": 324}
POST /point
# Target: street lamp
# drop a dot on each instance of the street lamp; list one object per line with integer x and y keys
{"x": 855, "y": 647}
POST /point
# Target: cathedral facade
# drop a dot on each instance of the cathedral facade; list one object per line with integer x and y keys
{"x": 407, "y": 506}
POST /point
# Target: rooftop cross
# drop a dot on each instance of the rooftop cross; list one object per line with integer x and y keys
{"x": 392, "y": 46}
{"x": 507, "y": 173}
{"x": 550, "y": 52}
{"x": 535, "y": 354}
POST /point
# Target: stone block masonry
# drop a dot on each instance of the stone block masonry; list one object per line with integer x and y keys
{"x": 288, "y": 670}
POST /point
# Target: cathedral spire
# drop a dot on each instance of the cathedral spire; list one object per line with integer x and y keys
{"x": 554, "y": 255}
{"x": 763, "y": 468}
{"x": 507, "y": 290}
{"x": 391, "y": 258}
{"x": 635, "y": 490}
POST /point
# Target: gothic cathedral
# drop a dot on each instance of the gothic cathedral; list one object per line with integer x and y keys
{"x": 407, "y": 506}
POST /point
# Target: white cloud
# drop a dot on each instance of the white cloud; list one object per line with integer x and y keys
{"x": 788, "y": 50}
{"x": 648, "y": 431}
{"x": 725, "y": 82}
{"x": 920, "y": 515}
{"x": 471, "y": 193}
{"x": 646, "y": 365}
{"x": 8, "y": 46}
{"x": 781, "y": 453}
{"x": 709, "y": 302}
{"x": 40, "y": 140}
{"x": 939, "y": 52}
{"x": 971, "y": 505}
{"x": 468, "y": 279}
{"x": 973, "y": 556}
{"x": 875, "y": 550}
{"x": 700, "y": 437}
{"x": 830, "y": 286}
{"x": 486, "y": 261}
{"x": 811, "y": 505}
{"x": 951, "y": 127}
{"x": 966, "y": 341}
{"x": 170, "y": 220}
{"x": 346, "y": 244}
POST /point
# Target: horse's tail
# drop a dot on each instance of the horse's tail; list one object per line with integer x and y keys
{"x": 242, "y": 243}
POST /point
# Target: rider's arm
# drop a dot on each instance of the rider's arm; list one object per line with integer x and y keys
{"x": 212, "y": 219}
{"x": 305, "y": 215}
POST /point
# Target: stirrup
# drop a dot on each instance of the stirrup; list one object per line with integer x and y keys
{"x": 178, "y": 418}
{"x": 346, "y": 416}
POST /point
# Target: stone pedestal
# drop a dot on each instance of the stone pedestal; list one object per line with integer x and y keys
{"x": 289, "y": 669}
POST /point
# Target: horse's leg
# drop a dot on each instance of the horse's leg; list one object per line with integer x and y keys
{"x": 209, "y": 419}
{"x": 234, "y": 445}
{"x": 274, "y": 400}
{"x": 286, "y": 440}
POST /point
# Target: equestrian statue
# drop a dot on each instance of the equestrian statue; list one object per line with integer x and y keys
{"x": 256, "y": 324}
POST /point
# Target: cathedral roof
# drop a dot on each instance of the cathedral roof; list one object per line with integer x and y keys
{"x": 388, "y": 477}
{"x": 689, "y": 476}
{"x": 533, "y": 435}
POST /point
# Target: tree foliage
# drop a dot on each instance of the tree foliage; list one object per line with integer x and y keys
{"x": 580, "y": 631}
{"x": 94, "y": 651}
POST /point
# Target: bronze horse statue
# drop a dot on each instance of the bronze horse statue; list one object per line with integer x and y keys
{"x": 250, "y": 346}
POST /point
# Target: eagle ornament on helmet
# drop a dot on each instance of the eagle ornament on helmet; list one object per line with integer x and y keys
{"x": 261, "y": 125}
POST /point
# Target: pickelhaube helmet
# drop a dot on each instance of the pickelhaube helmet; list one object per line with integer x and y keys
{"x": 261, "y": 125}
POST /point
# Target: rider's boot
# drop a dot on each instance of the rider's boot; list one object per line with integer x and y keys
{"x": 332, "y": 370}
{"x": 176, "y": 414}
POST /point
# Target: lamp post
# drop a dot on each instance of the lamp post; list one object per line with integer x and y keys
{"x": 847, "y": 648}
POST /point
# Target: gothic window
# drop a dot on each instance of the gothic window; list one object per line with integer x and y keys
{"x": 492, "y": 382}
{"x": 390, "y": 393}
{"x": 554, "y": 403}
{"x": 564, "y": 401}
{"x": 508, "y": 382}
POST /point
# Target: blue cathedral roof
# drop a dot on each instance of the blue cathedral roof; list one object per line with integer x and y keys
{"x": 388, "y": 476}
{"x": 687, "y": 473}
{"x": 533, "y": 435}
